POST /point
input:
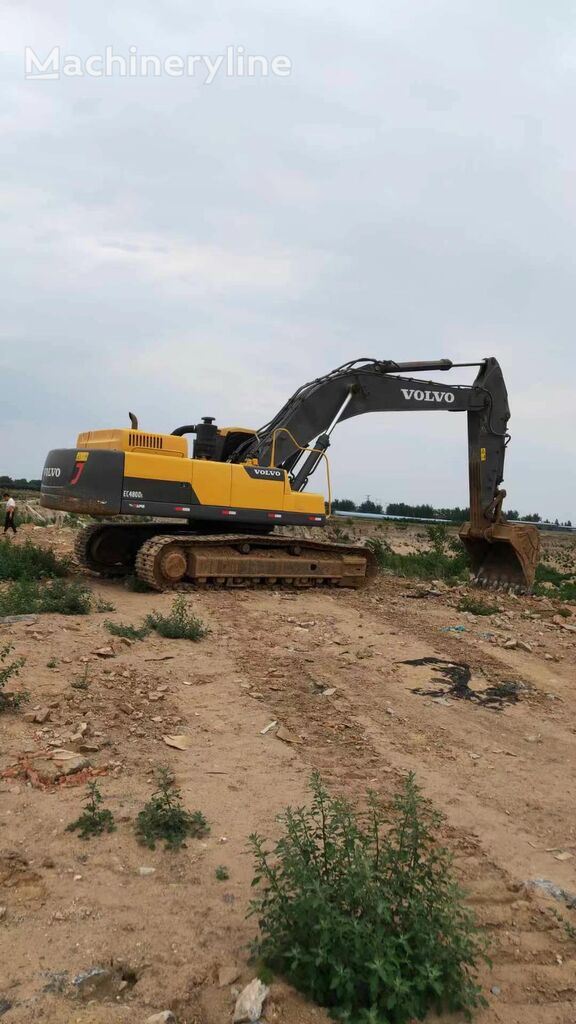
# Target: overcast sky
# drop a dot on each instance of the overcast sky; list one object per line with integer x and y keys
{"x": 183, "y": 249}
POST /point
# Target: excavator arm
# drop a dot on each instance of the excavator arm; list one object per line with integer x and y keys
{"x": 500, "y": 553}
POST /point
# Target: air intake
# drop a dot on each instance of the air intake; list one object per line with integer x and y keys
{"x": 154, "y": 441}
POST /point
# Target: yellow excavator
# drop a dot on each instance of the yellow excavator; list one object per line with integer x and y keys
{"x": 212, "y": 518}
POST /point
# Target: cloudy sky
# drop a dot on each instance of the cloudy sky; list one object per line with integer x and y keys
{"x": 182, "y": 249}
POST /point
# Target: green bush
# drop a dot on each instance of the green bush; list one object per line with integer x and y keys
{"x": 365, "y": 916}
{"x": 130, "y": 632}
{"x": 25, "y": 597}
{"x": 10, "y": 701}
{"x": 179, "y": 624}
{"x": 163, "y": 817}
{"x": 427, "y": 565}
{"x": 29, "y": 562}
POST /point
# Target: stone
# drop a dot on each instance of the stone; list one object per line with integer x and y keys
{"x": 42, "y": 715}
{"x": 97, "y": 983}
{"x": 105, "y": 652}
{"x": 510, "y": 645}
{"x": 228, "y": 974}
{"x": 495, "y": 990}
{"x": 523, "y": 646}
{"x": 18, "y": 618}
{"x": 3, "y": 912}
{"x": 73, "y": 765}
{"x": 165, "y": 1017}
{"x": 250, "y": 1002}
{"x": 144, "y": 872}
{"x": 47, "y": 769}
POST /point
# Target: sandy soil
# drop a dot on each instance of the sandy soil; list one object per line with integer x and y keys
{"x": 503, "y": 774}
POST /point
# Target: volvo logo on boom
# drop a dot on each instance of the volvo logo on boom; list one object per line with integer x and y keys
{"x": 428, "y": 396}
{"x": 51, "y": 471}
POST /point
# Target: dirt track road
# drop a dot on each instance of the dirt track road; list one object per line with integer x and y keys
{"x": 503, "y": 776}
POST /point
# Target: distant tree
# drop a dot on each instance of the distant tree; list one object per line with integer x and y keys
{"x": 533, "y": 518}
{"x": 344, "y": 505}
{"x": 370, "y": 506}
{"x": 512, "y": 513}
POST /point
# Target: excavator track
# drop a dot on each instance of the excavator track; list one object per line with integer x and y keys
{"x": 168, "y": 562}
{"x": 168, "y": 558}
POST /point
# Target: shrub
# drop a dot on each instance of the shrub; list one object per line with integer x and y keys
{"x": 163, "y": 817}
{"x": 369, "y": 923}
{"x": 179, "y": 624}
{"x": 130, "y": 632}
{"x": 29, "y": 562}
{"x": 30, "y": 596}
{"x": 222, "y": 873}
{"x": 429, "y": 565}
{"x": 476, "y": 607}
{"x": 94, "y": 820}
{"x": 10, "y": 701}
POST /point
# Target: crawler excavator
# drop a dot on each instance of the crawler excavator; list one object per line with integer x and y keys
{"x": 212, "y": 518}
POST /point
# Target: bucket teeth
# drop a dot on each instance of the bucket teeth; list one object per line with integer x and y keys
{"x": 503, "y": 556}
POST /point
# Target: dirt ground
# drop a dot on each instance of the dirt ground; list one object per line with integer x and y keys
{"x": 500, "y": 764}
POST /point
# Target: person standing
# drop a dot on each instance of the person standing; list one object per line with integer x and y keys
{"x": 9, "y": 523}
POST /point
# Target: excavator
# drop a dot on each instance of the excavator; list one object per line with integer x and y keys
{"x": 213, "y": 518}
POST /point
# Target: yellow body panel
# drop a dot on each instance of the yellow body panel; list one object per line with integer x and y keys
{"x": 164, "y": 457}
{"x": 134, "y": 440}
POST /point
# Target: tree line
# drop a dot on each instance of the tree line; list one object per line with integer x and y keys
{"x": 8, "y": 484}
{"x": 405, "y": 511}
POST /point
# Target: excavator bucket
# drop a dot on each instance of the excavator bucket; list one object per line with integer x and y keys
{"x": 502, "y": 555}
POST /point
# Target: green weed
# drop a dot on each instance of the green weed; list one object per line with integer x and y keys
{"x": 427, "y": 565}
{"x": 130, "y": 632}
{"x": 363, "y": 915}
{"x": 81, "y": 682}
{"x": 222, "y": 873}
{"x": 565, "y": 582}
{"x": 31, "y": 596}
{"x": 29, "y": 562}
{"x": 164, "y": 817}
{"x": 9, "y": 670}
{"x": 179, "y": 624}
{"x": 94, "y": 820}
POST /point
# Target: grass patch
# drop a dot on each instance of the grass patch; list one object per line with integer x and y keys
{"x": 222, "y": 873}
{"x": 29, "y": 562}
{"x": 127, "y": 631}
{"x": 9, "y": 670}
{"x": 164, "y": 817}
{"x": 362, "y": 914}
{"x": 179, "y": 624}
{"x": 94, "y": 820}
{"x": 564, "y": 582}
{"x": 425, "y": 565}
{"x": 476, "y": 607}
{"x": 25, "y": 597}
